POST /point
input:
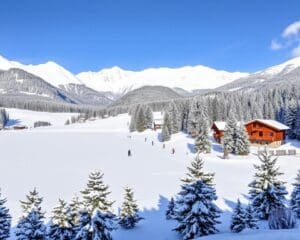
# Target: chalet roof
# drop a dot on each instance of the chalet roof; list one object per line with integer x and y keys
{"x": 220, "y": 125}
{"x": 158, "y": 121}
{"x": 271, "y": 123}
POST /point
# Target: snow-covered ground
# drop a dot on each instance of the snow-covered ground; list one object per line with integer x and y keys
{"x": 57, "y": 160}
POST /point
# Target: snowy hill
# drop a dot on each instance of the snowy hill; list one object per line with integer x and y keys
{"x": 147, "y": 94}
{"x": 57, "y": 160}
{"x": 188, "y": 78}
{"x": 285, "y": 74}
{"x": 51, "y": 72}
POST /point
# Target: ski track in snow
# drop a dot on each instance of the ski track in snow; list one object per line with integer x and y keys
{"x": 58, "y": 159}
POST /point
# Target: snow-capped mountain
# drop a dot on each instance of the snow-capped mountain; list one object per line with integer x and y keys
{"x": 51, "y": 72}
{"x": 188, "y": 78}
{"x": 285, "y": 73}
{"x": 282, "y": 68}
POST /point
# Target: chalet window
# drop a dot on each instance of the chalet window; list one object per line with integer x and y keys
{"x": 271, "y": 134}
{"x": 261, "y": 133}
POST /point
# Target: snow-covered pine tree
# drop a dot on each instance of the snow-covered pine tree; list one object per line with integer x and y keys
{"x": 193, "y": 117}
{"x": 241, "y": 141}
{"x": 174, "y": 118}
{"x": 61, "y": 226}
{"x": 295, "y": 196}
{"x": 97, "y": 227}
{"x": 31, "y": 227}
{"x": 266, "y": 191}
{"x": 250, "y": 218}
{"x": 149, "y": 117}
{"x": 133, "y": 113}
{"x": 196, "y": 173}
{"x": 195, "y": 210}
{"x": 95, "y": 194}
{"x": 228, "y": 140}
{"x": 74, "y": 206}
{"x": 197, "y": 113}
{"x": 33, "y": 202}
{"x": 165, "y": 131}
{"x": 238, "y": 219}
{"x": 5, "y": 220}
{"x": 132, "y": 124}
{"x": 297, "y": 123}
{"x": 170, "y": 210}
{"x": 290, "y": 118}
{"x": 129, "y": 216}
{"x": 140, "y": 121}
{"x": 202, "y": 142}
{"x": 95, "y": 221}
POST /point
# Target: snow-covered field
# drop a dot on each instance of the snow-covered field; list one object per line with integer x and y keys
{"x": 57, "y": 160}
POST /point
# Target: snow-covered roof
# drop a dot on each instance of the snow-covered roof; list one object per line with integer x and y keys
{"x": 220, "y": 125}
{"x": 271, "y": 123}
{"x": 158, "y": 121}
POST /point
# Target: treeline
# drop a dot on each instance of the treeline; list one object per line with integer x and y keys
{"x": 281, "y": 104}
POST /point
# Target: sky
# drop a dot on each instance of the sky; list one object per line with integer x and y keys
{"x": 84, "y": 35}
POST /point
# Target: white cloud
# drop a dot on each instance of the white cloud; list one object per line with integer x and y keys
{"x": 291, "y": 30}
{"x": 296, "y": 52}
{"x": 289, "y": 39}
{"x": 275, "y": 45}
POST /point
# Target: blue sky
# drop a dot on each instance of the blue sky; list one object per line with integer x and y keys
{"x": 86, "y": 35}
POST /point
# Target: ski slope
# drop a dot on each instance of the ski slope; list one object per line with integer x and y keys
{"x": 57, "y": 160}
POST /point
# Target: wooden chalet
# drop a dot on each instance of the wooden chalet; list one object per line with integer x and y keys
{"x": 218, "y": 128}
{"x": 260, "y": 131}
{"x": 157, "y": 123}
{"x": 265, "y": 131}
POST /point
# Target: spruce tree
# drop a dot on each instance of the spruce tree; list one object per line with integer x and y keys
{"x": 95, "y": 194}
{"x": 195, "y": 210}
{"x": 290, "y": 118}
{"x": 266, "y": 191}
{"x": 74, "y": 208}
{"x": 166, "y": 132}
{"x": 297, "y": 123}
{"x": 61, "y": 226}
{"x": 31, "y": 227}
{"x": 5, "y": 220}
{"x": 174, "y": 118}
{"x": 196, "y": 173}
{"x": 96, "y": 220}
{"x": 170, "y": 210}
{"x": 96, "y": 227}
{"x": 129, "y": 216}
{"x": 202, "y": 143}
{"x": 228, "y": 140}
{"x": 149, "y": 117}
{"x": 238, "y": 220}
{"x": 295, "y": 196}
{"x": 140, "y": 121}
{"x": 33, "y": 202}
{"x": 241, "y": 141}
{"x": 251, "y": 220}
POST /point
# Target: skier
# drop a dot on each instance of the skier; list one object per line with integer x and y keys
{"x": 173, "y": 150}
{"x": 129, "y": 153}
{"x": 145, "y": 139}
{"x": 164, "y": 146}
{"x": 152, "y": 143}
